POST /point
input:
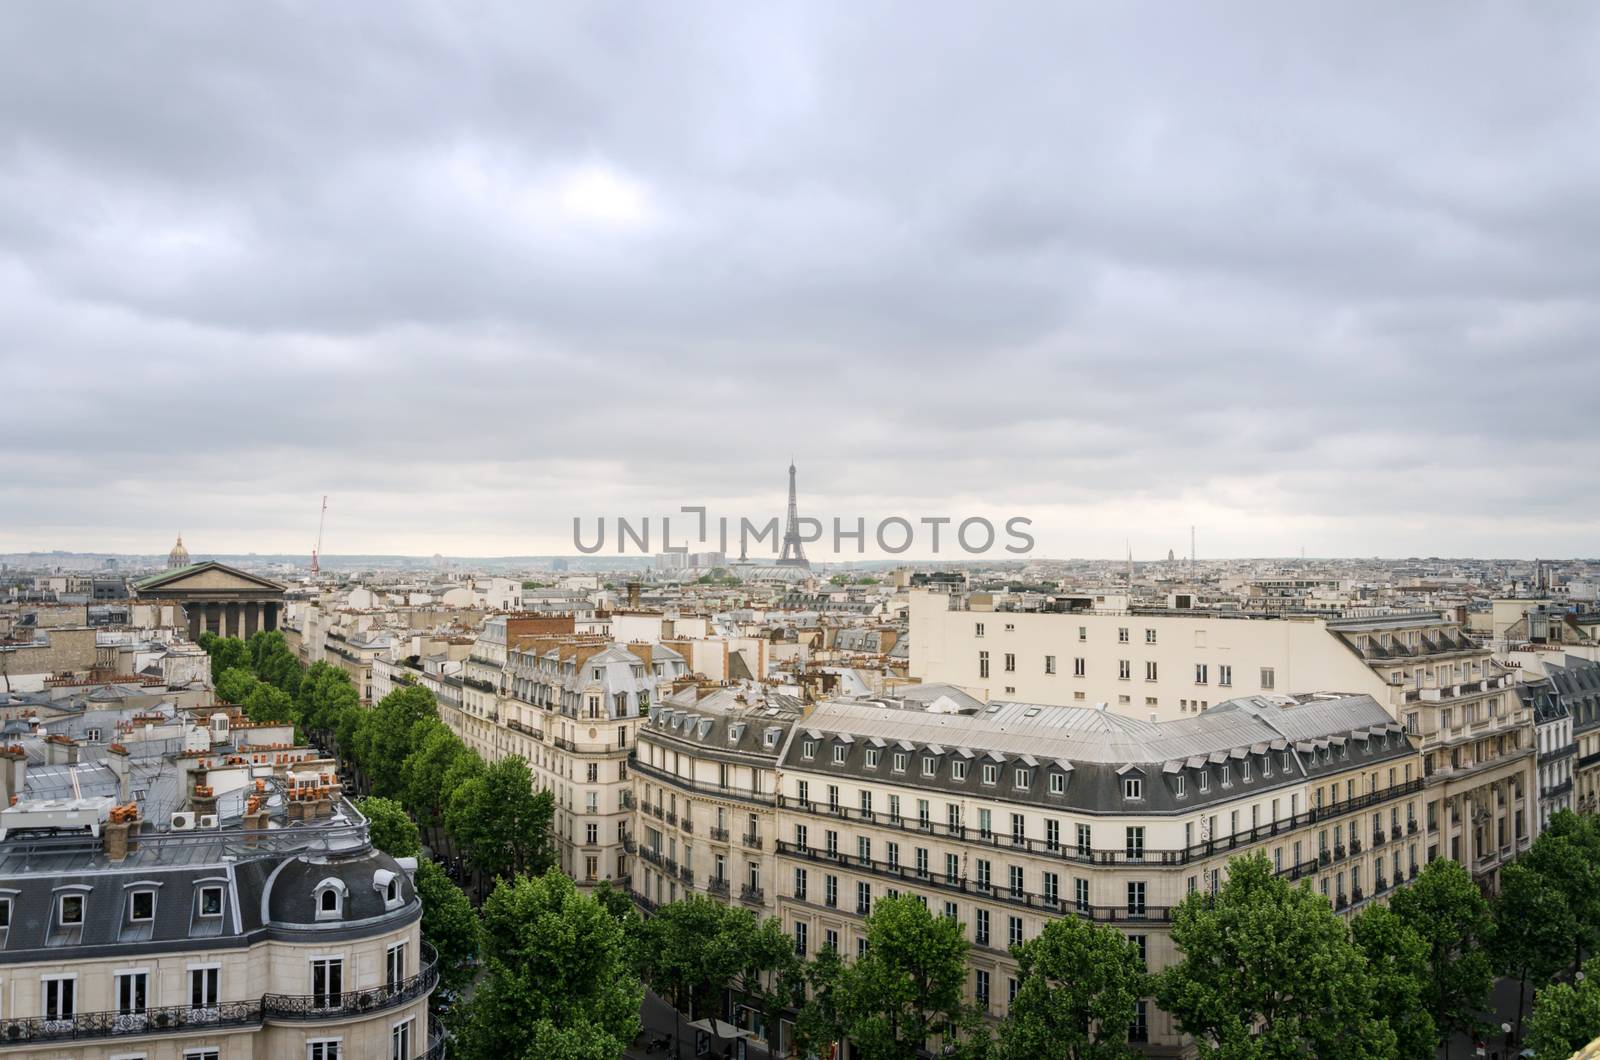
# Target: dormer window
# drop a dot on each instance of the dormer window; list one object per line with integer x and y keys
{"x": 5, "y": 913}
{"x": 808, "y": 749}
{"x": 142, "y": 906}
{"x": 991, "y": 773}
{"x": 930, "y": 765}
{"x": 211, "y": 901}
{"x": 899, "y": 762}
{"x": 1132, "y": 788}
{"x": 70, "y": 911}
{"x": 1058, "y": 783}
{"x": 872, "y": 758}
{"x": 391, "y": 892}
{"x": 1020, "y": 779}
{"x": 1205, "y": 780}
{"x": 1244, "y": 770}
{"x": 330, "y": 896}
{"x": 1179, "y": 786}
{"x": 958, "y": 770}
{"x": 838, "y": 754}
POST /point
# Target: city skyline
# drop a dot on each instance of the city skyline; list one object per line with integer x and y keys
{"x": 1305, "y": 279}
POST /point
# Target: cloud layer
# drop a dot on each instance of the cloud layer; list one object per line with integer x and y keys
{"x": 1304, "y": 278}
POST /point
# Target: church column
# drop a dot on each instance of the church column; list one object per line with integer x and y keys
{"x": 271, "y": 622}
{"x": 214, "y": 618}
{"x": 252, "y": 617}
{"x": 196, "y": 615}
{"x": 230, "y": 615}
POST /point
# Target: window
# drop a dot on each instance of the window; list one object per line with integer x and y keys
{"x": 958, "y": 769}
{"x": 1199, "y": 673}
{"x": 203, "y": 983}
{"x": 1135, "y": 842}
{"x": 872, "y": 757}
{"x": 808, "y": 749}
{"x": 1122, "y": 634}
{"x": 1016, "y": 881}
{"x": 1058, "y": 783}
{"x": 200, "y": 1054}
{"x": 1124, "y": 670}
{"x": 71, "y": 910}
{"x": 400, "y": 1040}
{"x": 899, "y": 762}
{"x": 1014, "y": 930}
{"x": 1224, "y": 675}
{"x": 60, "y": 997}
{"x": 327, "y": 902}
{"x": 5, "y": 913}
{"x": 980, "y": 987}
{"x": 1019, "y": 829}
{"x": 1080, "y": 894}
{"x": 830, "y": 891}
{"x": 1268, "y": 678}
{"x": 991, "y": 773}
{"x": 394, "y": 965}
{"x": 892, "y": 855}
{"x": 922, "y": 862}
{"x": 1052, "y": 834}
{"x": 1136, "y": 898}
{"x": 1149, "y": 636}
{"x": 1179, "y": 785}
{"x": 323, "y": 1049}
{"x": 864, "y": 850}
{"x": 327, "y": 981}
{"x": 980, "y": 927}
{"x": 1049, "y": 664}
{"x": 1142, "y": 946}
{"x": 1051, "y": 888}
{"x": 983, "y": 873}
{"x": 930, "y": 765}
{"x": 802, "y": 794}
{"x": 952, "y": 868}
{"x": 863, "y": 898}
{"x": 142, "y": 906}
{"x": 799, "y": 938}
{"x": 131, "y": 987}
{"x": 1084, "y": 837}
{"x": 1132, "y": 788}
{"x": 1011, "y": 663}
{"x": 838, "y": 754}
{"x": 983, "y": 664}
{"x": 1020, "y": 778}
{"x": 830, "y": 939}
{"x": 591, "y": 834}
{"x": 1150, "y": 671}
{"x": 1083, "y": 634}
{"x": 977, "y": 629}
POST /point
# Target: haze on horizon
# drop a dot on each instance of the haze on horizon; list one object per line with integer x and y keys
{"x": 1319, "y": 278}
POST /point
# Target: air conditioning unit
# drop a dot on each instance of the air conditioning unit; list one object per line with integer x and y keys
{"x": 182, "y": 822}
{"x": 208, "y": 820}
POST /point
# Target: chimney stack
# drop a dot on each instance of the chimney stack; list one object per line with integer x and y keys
{"x": 13, "y": 773}
{"x": 117, "y": 761}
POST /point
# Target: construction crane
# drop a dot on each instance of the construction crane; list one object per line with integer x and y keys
{"x": 321, "y": 522}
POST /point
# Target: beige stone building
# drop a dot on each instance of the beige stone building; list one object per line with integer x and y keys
{"x": 1477, "y": 736}
{"x": 1005, "y": 816}
{"x": 198, "y": 890}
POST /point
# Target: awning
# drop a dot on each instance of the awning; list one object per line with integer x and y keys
{"x": 718, "y": 1029}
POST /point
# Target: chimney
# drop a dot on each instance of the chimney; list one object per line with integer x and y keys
{"x": 13, "y": 773}
{"x": 117, "y": 761}
{"x": 60, "y": 751}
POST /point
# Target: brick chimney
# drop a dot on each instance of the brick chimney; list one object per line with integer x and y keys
{"x": 60, "y": 750}
{"x": 117, "y": 761}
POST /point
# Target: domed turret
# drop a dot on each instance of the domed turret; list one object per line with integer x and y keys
{"x": 179, "y": 556}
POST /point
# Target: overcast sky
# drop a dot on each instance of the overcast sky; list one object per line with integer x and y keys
{"x": 1318, "y": 277}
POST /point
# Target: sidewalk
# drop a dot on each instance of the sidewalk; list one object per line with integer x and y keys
{"x": 657, "y": 1018}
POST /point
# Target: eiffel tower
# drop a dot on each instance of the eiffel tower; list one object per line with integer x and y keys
{"x": 794, "y": 554}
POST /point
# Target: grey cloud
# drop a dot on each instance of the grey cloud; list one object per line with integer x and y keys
{"x": 1330, "y": 267}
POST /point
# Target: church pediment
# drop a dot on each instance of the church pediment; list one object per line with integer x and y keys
{"x": 208, "y": 577}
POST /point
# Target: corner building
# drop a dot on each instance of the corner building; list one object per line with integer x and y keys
{"x": 1011, "y": 814}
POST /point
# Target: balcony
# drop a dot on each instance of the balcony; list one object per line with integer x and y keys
{"x": 719, "y": 835}
{"x": 718, "y": 886}
{"x": 629, "y": 845}
{"x": 671, "y": 818}
{"x": 686, "y": 875}
{"x": 627, "y": 800}
{"x": 751, "y": 841}
{"x": 176, "y": 1019}
{"x": 748, "y": 893}
{"x": 688, "y": 824}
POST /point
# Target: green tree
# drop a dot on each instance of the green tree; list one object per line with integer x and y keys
{"x": 771, "y": 978}
{"x": 1447, "y": 910}
{"x": 227, "y": 653}
{"x": 426, "y": 769}
{"x": 1078, "y": 990}
{"x": 1566, "y": 1016}
{"x": 1268, "y": 970}
{"x": 391, "y": 828}
{"x": 819, "y": 1023}
{"x": 1567, "y": 854}
{"x": 621, "y": 906}
{"x": 235, "y": 685}
{"x": 909, "y": 988}
{"x": 1532, "y": 929}
{"x": 1398, "y": 959}
{"x": 689, "y": 954}
{"x": 558, "y": 983}
{"x": 449, "y": 924}
{"x": 326, "y": 697}
{"x": 383, "y": 738}
{"x": 503, "y": 825}
{"x": 264, "y": 703}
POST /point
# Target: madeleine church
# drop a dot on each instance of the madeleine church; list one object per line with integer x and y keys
{"x": 215, "y": 597}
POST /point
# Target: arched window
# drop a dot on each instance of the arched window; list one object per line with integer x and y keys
{"x": 330, "y": 896}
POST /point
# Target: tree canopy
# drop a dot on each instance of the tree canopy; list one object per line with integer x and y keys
{"x": 1268, "y": 970}
{"x": 392, "y": 830}
{"x": 1445, "y": 908}
{"x": 1078, "y": 989}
